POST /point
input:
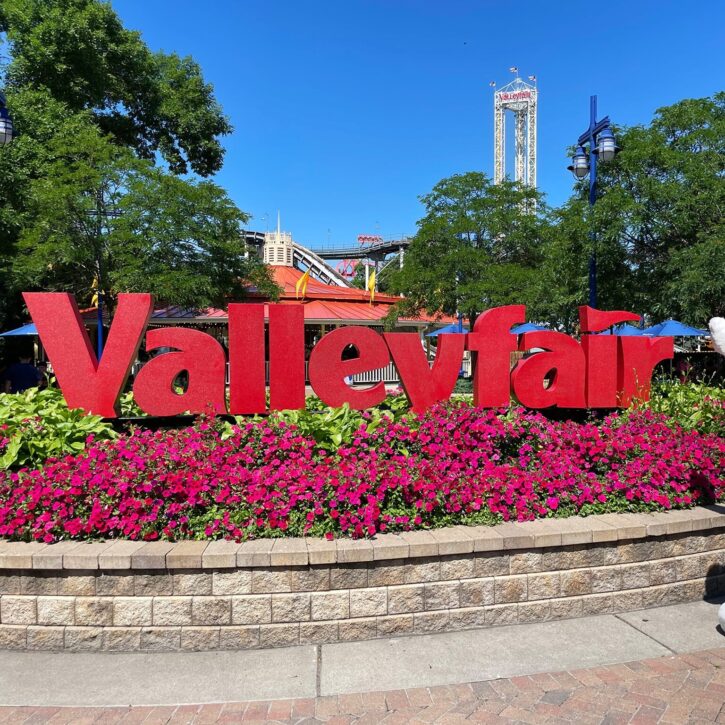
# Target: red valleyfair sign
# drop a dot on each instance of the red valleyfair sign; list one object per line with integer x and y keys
{"x": 600, "y": 371}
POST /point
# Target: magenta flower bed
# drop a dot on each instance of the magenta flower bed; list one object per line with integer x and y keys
{"x": 456, "y": 464}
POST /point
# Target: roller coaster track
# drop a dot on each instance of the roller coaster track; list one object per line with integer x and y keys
{"x": 363, "y": 251}
{"x": 319, "y": 269}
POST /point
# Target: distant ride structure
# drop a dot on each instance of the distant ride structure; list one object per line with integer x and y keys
{"x": 278, "y": 247}
{"x": 520, "y": 99}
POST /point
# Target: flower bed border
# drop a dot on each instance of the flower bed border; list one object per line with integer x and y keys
{"x": 117, "y": 554}
{"x": 198, "y": 595}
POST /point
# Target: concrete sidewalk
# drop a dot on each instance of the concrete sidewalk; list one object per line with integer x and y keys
{"x": 40, "y": 679}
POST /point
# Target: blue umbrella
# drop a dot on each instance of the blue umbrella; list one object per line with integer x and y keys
{"x": 24, "y": 330}
{"x": 673, "y": 328}
{"x": 447, "y": 330}
{"x": 528, "y": 327}
{"x": 623, "y": 331}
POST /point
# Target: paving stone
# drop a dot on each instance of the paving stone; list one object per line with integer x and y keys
{"x": 132, "y": 611}
{"x": 290, "y": 607}
{"x": 330, "y": 605}
{"x": 151, "y": 555}
{"x": 420, "y": 543}
{"x": 407, "y": 598}
{"x": 85, "y": 555}
{"x": 354, "y": 550}
{"x": 255, "y": 553}
{"x": 321, "y": 551}
{"x": 45, "y": 638}
{"x": 207, "y": 611}
{"x": 289, "y": 552}
{"x": 119, "y": 554}
{"x": 220, "y": 554}
{"x": 252, "y": 609}
{"x": 368, "y": 602}
{"x": 18, "y": 609}
{"x": 186, "y": 555}
{"x": 238, "y": 581}
{"x": 171, "y": 611}
{"x": 94, "y": 611}
{"x": 56, "y": 610}
{"x": 51, "y": 557}
{"x": 390, "y": 546}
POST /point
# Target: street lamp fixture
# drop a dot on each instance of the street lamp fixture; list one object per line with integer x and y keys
{"x": 607, "y": 148}
{"x": 601, "y": 144}
{"x": 6, "y": 123}
{"x": 579, "y": 163}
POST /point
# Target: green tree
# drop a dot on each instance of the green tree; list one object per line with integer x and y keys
{"x": 478, "y": 246}
{"x": 658, "y": 217}
{"x": 152, "y": 102}
{"x": 94, "y": 109}
{"x": 104, "y": 213}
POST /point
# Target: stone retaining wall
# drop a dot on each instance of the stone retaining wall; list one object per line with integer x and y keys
{"x": 133, "y": 596}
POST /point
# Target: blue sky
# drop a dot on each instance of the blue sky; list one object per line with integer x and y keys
{"x": 345, "y": 111}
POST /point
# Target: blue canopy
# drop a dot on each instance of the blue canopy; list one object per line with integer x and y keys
{"x": 528, "y": 327}
{"x": 447, "y": 330}
{"x": 673, "y": 328}
{"x": 24, "y": 330}
{"x": 623, "y": 330}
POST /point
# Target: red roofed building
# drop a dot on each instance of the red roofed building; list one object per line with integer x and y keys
{"x": 326, "y": 306}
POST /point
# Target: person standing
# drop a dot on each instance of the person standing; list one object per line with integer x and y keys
{"x": 22, "y": 375}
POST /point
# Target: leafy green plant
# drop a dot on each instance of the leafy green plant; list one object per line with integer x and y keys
{"x": 37, "y": 425}
{"x": 694, "y": 406}
{"x": 334, "y": 427}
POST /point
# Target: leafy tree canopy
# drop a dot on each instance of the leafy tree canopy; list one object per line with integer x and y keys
{"x": 659, "y": 215}
{"x": 153, "y": 102}
{"x": 103, "y": 213}
{"x": 80, "y": 195}
{"x": 477, "y": 247}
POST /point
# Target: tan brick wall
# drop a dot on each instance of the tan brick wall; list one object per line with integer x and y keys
{"x": 262, "y": 604}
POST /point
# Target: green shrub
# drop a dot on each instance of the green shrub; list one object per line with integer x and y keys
{"x": 696, "y": 406}
{"x": 334, "y": 427}
{"x": 37, "y": 425}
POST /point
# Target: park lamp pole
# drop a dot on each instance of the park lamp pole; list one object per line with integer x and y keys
{"x": 600, "y": 140}
{"x": 6, "y": 123}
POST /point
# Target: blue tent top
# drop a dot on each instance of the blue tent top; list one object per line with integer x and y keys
{"x": 453, "y": 328}
{"x": 24, "y": 330}
{"x": 673, "y": 328}
{"x": 623, "y": 330}
{"x": 528, "y": 327}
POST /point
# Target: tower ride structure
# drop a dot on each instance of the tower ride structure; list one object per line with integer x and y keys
{"x": 520, "y": 98}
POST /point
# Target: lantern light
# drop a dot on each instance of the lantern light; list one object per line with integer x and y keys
{"x": 579, "y": 163}
{"x": 6, "y": 124}
{"x": 606, "y": 148}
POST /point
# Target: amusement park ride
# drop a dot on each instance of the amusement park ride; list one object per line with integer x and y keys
{"x": 374, "y": 251}
{"x": 521, "y": 99}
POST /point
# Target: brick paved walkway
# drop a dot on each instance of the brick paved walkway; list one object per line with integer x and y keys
{"x": 688, "y": 688}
